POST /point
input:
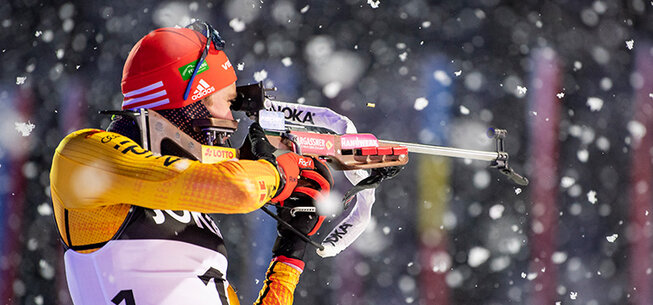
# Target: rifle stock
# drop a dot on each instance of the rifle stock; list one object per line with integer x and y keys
{"x": 385, "y": 155}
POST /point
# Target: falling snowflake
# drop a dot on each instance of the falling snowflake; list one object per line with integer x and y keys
{"x": 371, "y": 105}
{"x": 60, "y": 53}
{"x": 630, "y": 44}
{"x": 44, "y": 209}
{"x": 332, "y": 89}
{"x": 20, "y": 80}
{"x": 420, "y": 103}
{"x": 573, "y": 295}
{"x": 237, "y": 25}
{"x": 560, "y": 95}
{"x": 567, "y": 182}
{"x": 591, "y": 197}
{"x": 603, "y": 143}
{"x": 594, "y": 103}
{"x": 578, "y": 65}
{"x": 636, "y": 129}
{"x": 374, "y": 4}
{"x": 457, "y": 73}
{"x": 442, "y": 78}
{"x": 46, "y": 270}
{"x": 305, "y": 9}
{"x": 612, "y": 237}
{"x": 464, "y": 110}
{"x": 240, "y": 66}
{"x": 650, "y": 95}
{"x": 426, "y": 24}
{"x": 477, "y": 256}
{"x": 496, "y": 211}
{"x": 260, "y": 75}
{"x": 518, "y": 191}
{"x": 583, "y": 155}
{"x": 403, "y": 56}
{"x": 24, "y": 128}
{"x": 559, "y": 257}
{"x": 440, "y": 262}
{"x": 521, "y": 90}
{"x": 286, "y": 61}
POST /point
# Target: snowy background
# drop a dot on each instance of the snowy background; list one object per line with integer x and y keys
{"x": 571, "y": 81}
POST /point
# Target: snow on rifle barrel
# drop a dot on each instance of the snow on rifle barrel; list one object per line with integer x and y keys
{"x": 309, "y": 128}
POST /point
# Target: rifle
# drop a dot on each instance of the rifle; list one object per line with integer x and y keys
{"x": 307, "y": 130}
{"x": 352, "y": 151}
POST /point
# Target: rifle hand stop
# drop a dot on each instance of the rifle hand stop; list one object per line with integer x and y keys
{"x": 501, "y": 162}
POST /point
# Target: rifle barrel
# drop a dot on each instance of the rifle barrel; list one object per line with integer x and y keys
{"x": 446, "y": 151}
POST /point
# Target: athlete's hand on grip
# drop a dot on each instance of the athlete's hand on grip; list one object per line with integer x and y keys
{"x": 291, "y": 166}
{"x": 257, "y": 145}
{"x": 314, "y": 185}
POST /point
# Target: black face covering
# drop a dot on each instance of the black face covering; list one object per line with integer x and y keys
{"x": 126, "y": 126}
{"x": 182, "y": 118}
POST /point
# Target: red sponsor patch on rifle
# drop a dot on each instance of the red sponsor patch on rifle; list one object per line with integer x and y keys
{"x": 316, "y": 144}
{"x": 358, "y": 140}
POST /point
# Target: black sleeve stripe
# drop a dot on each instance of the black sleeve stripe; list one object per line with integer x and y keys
{"x": 266, "y": 283}
{"x": 65, "y": 213}
{"x": 88, "y": 247}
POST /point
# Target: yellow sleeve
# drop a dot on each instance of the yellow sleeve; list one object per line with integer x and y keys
{"x": 93, "y": 168}
{"x": 279, "y": 285}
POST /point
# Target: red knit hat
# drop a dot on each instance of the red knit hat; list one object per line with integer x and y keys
{"x": 160, "y": 65}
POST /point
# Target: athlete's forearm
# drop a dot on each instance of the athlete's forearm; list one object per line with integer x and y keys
{"x": 279, "y": 285}
{"x": 92, "y": 168}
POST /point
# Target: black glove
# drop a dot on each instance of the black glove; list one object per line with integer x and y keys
{"x": 289, "y": 165}
{"x": 257, "y": 146}
{"x": 313, "y": 185}
{"x": 377, "y": 175}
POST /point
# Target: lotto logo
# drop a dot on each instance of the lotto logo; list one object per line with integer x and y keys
{"x": 203, "y": 89}
{"x": 219, "y": 154}
{"x": 215, "y": 154}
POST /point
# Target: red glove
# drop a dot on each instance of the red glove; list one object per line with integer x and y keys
{"x": 313, "y": 185}
{"x": 291, "y": 166}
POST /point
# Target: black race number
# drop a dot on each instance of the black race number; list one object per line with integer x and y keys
{"x": 126, "y": 295}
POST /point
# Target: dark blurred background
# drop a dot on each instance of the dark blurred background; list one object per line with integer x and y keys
{"x": 570, "y": 80}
